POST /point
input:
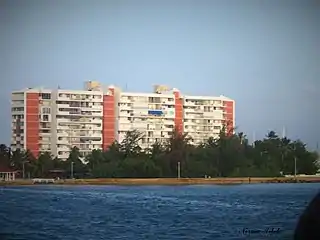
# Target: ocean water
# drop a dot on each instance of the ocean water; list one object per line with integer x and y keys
{"x": 256, "y": 211}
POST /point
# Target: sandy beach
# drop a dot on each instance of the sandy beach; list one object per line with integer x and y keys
{"x": 169, "y": 181}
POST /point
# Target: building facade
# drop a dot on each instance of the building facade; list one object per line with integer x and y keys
{"x": 54, "y": 121}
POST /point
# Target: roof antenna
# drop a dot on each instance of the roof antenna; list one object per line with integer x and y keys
{"x": 284, "y": 132}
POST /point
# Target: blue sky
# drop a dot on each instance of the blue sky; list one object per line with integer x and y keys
{"x": 264, "y": 54}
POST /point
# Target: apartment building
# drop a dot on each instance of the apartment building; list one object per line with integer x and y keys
{"x": 57, "y": 120}
{"x": 204, "y": 117}
{"x": 150, "y": 113}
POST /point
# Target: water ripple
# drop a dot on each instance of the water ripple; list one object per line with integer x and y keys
{"x": 151, "y": 212}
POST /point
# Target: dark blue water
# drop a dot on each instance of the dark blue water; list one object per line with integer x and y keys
{"x": 152, "y": 212}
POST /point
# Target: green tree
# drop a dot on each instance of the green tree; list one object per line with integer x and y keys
{"x": 43, "y": 165}
{"x": 229, "y": 155}
{"x": 5, "y": 155}
{"x": 94, "y": 159}
{"x": 177, "y": 150}
{"x": 74, "y": 165}
{"x": 130, "y": 144}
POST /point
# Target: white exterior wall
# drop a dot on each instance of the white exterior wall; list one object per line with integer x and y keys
{"x": 134, "y": 113}
{"x": 18, "y": 114}
{"x": 68, "y": 118}
{"x": 203, "y": 117}
{"x": 78, "y": 121}
{"x": 46, "y": 121}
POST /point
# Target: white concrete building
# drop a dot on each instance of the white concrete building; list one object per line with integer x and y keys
{"x": 57, "y": 120}
{"x": 150, "y": 113}
{"x": 204, "y": 116}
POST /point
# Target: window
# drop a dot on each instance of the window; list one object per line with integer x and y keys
{"x": 46, "y": 110}
{"x": 45, "y": 118}
{"x": 17, "y": 109}
{"x": 45, "y": 95}
{"x": 62, "y": 102}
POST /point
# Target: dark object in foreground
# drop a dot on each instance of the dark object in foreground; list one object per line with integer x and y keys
{"x": 309, "y": 223}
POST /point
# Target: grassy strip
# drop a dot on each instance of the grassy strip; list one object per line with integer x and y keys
{"x": 170, "y": 181}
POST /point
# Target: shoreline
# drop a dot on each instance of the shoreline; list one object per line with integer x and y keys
{"x": 167, "y": 181}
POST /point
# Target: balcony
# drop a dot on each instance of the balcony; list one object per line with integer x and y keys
{"x": 63, "y": 148}
{"x": 189, "y": 103}
{"x": 64, "y": 155}
{"x": 96, "y": 100}
{"x": 124, "y": 107}
{"x": 210, "y": 114}
{"x": 124, "y": 120}
{"x": 95, "y": 120}
{"x": 92, "y": 108}
{"x": 168, "y": 122}
{"x": 63, "y": 97}
{"x": 125, "y": 127}
{"x": 96, "y": 128}
{"x": 63, "y": 134}
{"x": 219, "y": 105}
{"x": 97, "y": 114}
{"x": 190, "y": 123}
{"x": 124, "y": 114}
{"x": 189, "y": 110}
{"x": 168, "y": 102}
{"x": 125, "y": 100}
{"x": 62, "y": 105}
{"x": 189, "y": 130}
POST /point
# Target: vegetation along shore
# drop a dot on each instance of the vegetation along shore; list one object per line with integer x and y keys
{"x": 214, "y": 161}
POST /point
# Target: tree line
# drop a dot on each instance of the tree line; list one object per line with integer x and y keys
{"x": 230, "y": 155}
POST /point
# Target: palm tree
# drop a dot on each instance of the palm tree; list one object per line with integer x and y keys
{"x": 95, "y": 158}
{"x": 130, "y": 144}
{"x": 5, "y": 155}
{"x": 177, "y": 150}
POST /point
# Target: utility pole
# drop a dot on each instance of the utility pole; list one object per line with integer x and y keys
{"x": 179, "y": 175}
{"x": 283, "y": 132}
{"x": 295, "y": 167}
{"x": 70, "y": 142}
{"x": 23, "y": 171}
{"x": 71, "y": 170}
{"x": 295, "y": 162}
{"x": 254, "y": 139}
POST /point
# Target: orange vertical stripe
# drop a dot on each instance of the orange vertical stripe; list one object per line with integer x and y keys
{"x": 178, "y": 121}
{"x": 109, "y": 120}
{"x": 32, "y": 123}
{"x": 228, "y": 115}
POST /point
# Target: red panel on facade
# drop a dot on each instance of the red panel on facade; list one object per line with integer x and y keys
{"x": 228, "y": 116}
{"x": 108, "y": 125}
{"x": 32, "y": 123}
{"x": 178, "y": 112}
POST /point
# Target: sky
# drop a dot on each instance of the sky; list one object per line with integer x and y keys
{"x": 264, "y": 54}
